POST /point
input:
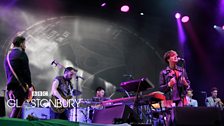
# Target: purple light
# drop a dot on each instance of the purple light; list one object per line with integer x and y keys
{"x": 181, "y": 35}
{"x": 221, "y": 7}
{"x": 103, "y": 4}
{"x": 223, "y": 27}
{"x": 125, "y": 8}
{"x": 185, "y": 19}
{"x": 177, "y": 15}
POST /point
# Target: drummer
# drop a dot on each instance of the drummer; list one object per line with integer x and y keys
{"x": 96, "y": 101}
{"x": 99, "y": 97}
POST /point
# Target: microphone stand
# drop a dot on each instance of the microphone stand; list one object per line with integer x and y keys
{"x": 76, "y": 98}
{"x": 205, "y": 96}
{"x": 137, "y": 101}
{"x": 182, "y": 88}
{"x": 76, "y": 95}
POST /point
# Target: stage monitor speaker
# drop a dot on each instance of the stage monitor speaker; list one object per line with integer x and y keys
{"x": 2, "y": 106}
{"x": 197, "y": 116}
{"x": 116, "y": 114}
{"x": 40, "y": 113}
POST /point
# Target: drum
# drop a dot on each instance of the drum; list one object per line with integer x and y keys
{"x": 82, "y": 115}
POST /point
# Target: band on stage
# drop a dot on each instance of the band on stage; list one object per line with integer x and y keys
{"x": 174, "y": 91}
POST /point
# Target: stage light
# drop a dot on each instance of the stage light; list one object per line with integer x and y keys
{"x": 125, "y": 8}
{"x": 103, "y": 4}
{"x": 142, "y": 14}
{"x": 185, "y": 19}
{"x": 177, "y": 15}
{"x": 214, "y": 26}
{"x": 223, "y": 27}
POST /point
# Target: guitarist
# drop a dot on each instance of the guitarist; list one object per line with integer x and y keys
{"x": 61, "y": 90}
{"x": 18, "y": 75}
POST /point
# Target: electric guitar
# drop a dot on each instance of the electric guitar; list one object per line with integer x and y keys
{"x": 29, "y": 93}
{"x": 22, "y": 90}
{"x": 57, "y": 105}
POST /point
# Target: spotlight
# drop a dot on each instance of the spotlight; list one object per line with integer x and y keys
{"x": 177, "y": 15}
{"x": 223, "y": 27}
{"x": 215, "y": 26}
{"x": 142, "y": 14}
{"x": 103, "y": 4}
{"x": 185, "y": 19}
{"x": 125, "y": 8}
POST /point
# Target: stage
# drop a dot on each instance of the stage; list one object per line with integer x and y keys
{"x": 53, "y": 122}
{"x": 183, "y": 116}
{"x": 106, "y": 62}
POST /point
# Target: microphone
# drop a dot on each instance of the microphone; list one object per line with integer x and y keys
{"x": 77, "y": 77}
{"x": 53, "y": 62}
{"x": 180, "y": 59}
{"x": 127, "y": 75}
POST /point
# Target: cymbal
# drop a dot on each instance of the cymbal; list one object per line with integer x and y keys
{"x": 76, "y": 92}
{"x": 100, "y": 99}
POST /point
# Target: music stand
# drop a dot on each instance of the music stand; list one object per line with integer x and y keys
{"x": 137, "y": 85}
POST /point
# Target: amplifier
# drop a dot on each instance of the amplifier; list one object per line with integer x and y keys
{"x": 197, "y": 116}
{"x": 115, "y": 115}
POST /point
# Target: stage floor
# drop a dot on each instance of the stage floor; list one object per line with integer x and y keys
{"x": 53, "y": 122}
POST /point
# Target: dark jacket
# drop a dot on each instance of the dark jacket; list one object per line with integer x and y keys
{"x": 20, "y": 63}
{"x": 179, "y": 90}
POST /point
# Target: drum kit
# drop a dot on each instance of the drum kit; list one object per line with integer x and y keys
{"x": 83, "y": 115}
{"x": 85, "y": 110}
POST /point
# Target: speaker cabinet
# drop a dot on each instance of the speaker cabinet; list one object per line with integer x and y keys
{"x": 115, "y": 114}
{"x": 40, "y": 113}
{"x": 2, "y": 106}
{"x": 197, "y": 116}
